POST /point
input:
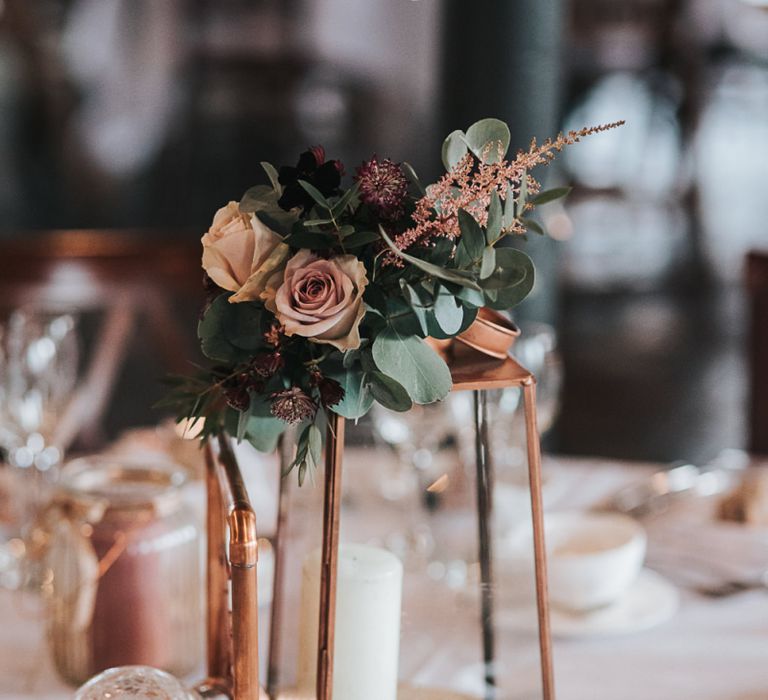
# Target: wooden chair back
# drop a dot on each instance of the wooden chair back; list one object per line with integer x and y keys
{"x": 123, "y": 274}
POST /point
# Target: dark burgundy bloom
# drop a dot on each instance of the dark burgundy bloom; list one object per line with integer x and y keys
{"x": 292, "y": 405}
{"x": 266, "y": 364}
{"x": 383, "y": 187}
{"x": 331, "y": 392}
{"x": 238, "y": 397}
{"x": 314, "y": 169}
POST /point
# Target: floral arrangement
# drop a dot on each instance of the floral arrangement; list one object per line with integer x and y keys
{"x": 320, "y": 297}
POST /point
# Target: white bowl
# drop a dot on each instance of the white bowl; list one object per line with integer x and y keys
{"x": 592, "y": 558}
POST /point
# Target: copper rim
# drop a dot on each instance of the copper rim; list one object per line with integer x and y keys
{"x": 492, "y": 333}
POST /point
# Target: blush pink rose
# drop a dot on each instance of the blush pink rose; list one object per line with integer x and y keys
{"x": 240, "y": 253}
{"x": 320, "y": 299}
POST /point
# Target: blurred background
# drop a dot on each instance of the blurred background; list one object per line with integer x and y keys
{"x": 148, "y": 115}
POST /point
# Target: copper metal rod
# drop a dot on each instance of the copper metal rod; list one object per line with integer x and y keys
{"x": 484, "y": 507}
{"x": 243, "y": 557}
{"x": 218, "y": 637}
{"x": 334, "y": 448}
{"x": 539, "y": 548}
{"x": 286, "y": 450}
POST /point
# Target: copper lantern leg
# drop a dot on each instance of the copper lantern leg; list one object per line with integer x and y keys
{"x": 484, "y": 488}
{"x": 539, "y": 549}
{"x": 286, "y": 450}
{"x": 334, "y": 448}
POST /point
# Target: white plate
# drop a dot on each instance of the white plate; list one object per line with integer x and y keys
{"x": 650, "y": 601}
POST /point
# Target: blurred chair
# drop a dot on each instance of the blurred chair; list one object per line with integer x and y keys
{"x": 757, "y": 288}
{"x": 123, "y": 275}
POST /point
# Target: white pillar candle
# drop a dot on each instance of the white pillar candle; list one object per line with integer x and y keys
{"x": 367, "y": 636}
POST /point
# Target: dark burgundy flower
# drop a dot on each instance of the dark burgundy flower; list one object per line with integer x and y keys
{"x": 312, "y": 167}
{"x": 331, "y": 392}
{"x": 238, "y": 397}
{"x": 383, "y": 187}
{"x": 293, "y": 405}
{"x": 266, "y": 364}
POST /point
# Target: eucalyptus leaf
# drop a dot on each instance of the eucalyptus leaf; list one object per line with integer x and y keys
{"x": 488, "y": 131}
{"x": 447, "y": 314}
{"x": 273, "y": 177}
{"x": 465, "y": 279}
{"x": 469, "y": 314}
{"x": 472, "y": 242}
{"x": 388, "y": 392}
{"x": 454, "y": 149}
{"x": 488, "y": 264}
{"x": 416, "y": 305}
{"x": 517, "y": 277}
{"x": 344, "y": 201}
{"x": 471, "y": 297}
{"x": 357, "y": 399}
{"x": 258, "y": 197}
{"x": 534, "y": 226}
{"x": 550, "y": 195}
{"x": 316, "y": 222}
{"x": 242, "y": 423}
{"x": 410, "y": 173}
{"x": 277, "y": 219}
{"x": 495, "y": 219}
{"x": 318, "y": 196}
{"x": 213, "y": 331}
{"x": 417, "y": 367}
{"x": 360, "y": 238}
{"x": 263, "y": 432}
{"x": 315, "y": 443}
{"x": 522, "y": 197}
{"x": 509, "y": 208}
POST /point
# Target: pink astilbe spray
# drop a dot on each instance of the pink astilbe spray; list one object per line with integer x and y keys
{"x": 469, "y": 185}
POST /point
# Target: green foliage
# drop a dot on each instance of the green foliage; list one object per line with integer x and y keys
{"x": 388, "y": 392}
{"x": 414, "y": 364}
{"x": 459, "y": 277}
{"x": 230, "y": 332}
{"x": 472, "y": 242}
{"x": 454, "y": 148}
{"x": 511, "y": 281}
{"x": 550, "y": 195}
{"x": 485, "y": 132}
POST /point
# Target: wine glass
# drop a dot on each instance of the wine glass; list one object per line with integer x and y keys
{"x": 423, "y": 441}
{"x": 38, "y": 371}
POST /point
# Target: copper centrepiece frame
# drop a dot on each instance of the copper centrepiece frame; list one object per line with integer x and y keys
{"x": 233, "y": 660}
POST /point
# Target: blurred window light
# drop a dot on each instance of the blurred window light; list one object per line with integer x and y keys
{"x": 622, "y": 244}
{"x": 731, "y": 167}
{"x": 745, "y": 23}
{"x": 644, "y": 155}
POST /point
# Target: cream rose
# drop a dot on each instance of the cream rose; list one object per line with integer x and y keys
{"x": 240, "y": 253}
{"x": 320, "y": 299}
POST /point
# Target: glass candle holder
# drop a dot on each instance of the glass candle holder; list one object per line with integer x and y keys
{"x": 122, "y": 569}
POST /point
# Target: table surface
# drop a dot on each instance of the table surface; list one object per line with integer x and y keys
{"x": 711, "y": 650}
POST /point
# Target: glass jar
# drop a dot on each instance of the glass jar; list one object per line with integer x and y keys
{"x": 122, "y": 569}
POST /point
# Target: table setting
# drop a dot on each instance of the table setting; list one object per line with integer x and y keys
{"x": 349, "y": 499}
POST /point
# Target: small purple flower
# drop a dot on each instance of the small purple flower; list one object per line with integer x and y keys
{"x": 383, "y": 187}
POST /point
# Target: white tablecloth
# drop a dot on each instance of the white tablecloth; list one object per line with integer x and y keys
{"x": 711, "y": 650}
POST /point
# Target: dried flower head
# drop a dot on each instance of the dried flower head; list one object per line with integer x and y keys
{"x": 331, "y": 392}
{"x": 383, "y": 187}
{"x": 237, "y": 397}
{"x": 266, "y": 364}
{"x": 293, "y": 405}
